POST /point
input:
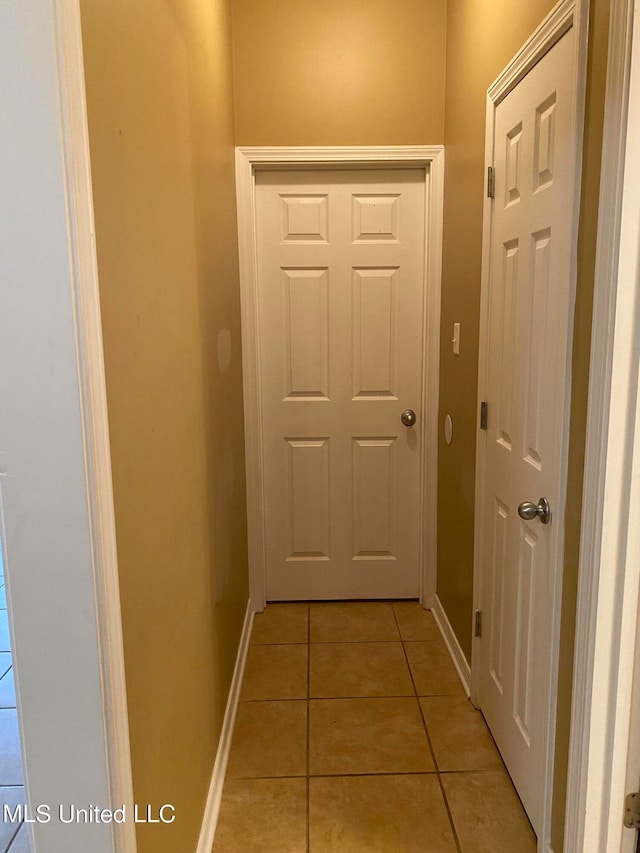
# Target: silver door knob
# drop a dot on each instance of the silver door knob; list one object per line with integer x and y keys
{"x": 408, "y": 417}
{"x": 541, "y": 510}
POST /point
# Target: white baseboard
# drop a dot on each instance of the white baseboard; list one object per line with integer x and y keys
{"x": 212, "y": 808}
{"x": 451, "y": 641}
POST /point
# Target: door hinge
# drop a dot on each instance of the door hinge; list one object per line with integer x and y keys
{"x": 491, "y": 182}
{"x": 632, "y": 810}
{"x": 484, "y": 415}
{"x": 478, "y": 624}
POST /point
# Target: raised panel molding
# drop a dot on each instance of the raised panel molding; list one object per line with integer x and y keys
{"x": 524, "y": 628}
{"x": 538, "y": 290}
{"x": 307, "y": 471}
{"x": 376, "y": 218}
{"x": 544, "y": 142}
{"x": 305, "y": 218}
{"x": 373, "y": 498}
{"x": 307, "y": 334}
{"x": 507, "y": 331}
{"x": 374, "y": 329}
{"x": 512, "y": 183}
{"x": 496, "y": 613}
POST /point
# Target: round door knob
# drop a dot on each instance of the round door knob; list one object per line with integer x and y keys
{"x": 408, "y": 417}
{"x": 541, "y": 510}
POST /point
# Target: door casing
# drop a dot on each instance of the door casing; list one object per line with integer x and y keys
{"x": 564, "y": 16}
{"x": 61, "y": 561}
{"x": 605, "y": 725}
{"x": 248, "y": 161}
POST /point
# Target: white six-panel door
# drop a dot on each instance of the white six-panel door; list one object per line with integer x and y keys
{"x": 528, "y": 322}
{"x": 341, "y": 273}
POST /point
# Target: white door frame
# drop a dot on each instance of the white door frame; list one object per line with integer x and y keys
{"x": 93, "y": 396}
{"x": 609, "y": 572}
{"x": 564, "y": 16}
{"x": 57, "y": 503}
{"x": 248, "y": 161}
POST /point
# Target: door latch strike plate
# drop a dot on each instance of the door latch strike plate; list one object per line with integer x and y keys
{"x": 478, "y": 624}
{"x": 632, "y": 810}
{"x": 491, "y": 182}
{"x": 484, "y": 415}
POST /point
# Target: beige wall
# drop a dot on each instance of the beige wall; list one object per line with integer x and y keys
{"x": 362, "y": 72}
{"x": 159, "y": 92}
{"x": 161, "y": 124}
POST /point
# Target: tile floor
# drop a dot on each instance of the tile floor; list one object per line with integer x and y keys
{"x": 13, "y": 836}
{"x": 353, "y": 733}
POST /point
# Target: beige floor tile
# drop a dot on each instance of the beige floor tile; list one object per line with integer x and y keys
{"x": 270, "y": 739}
{"x": 487, "y": 813}
{"x": 353, "y": 622}
{"x": 276, "y": 672}
{"x": 367, "y": 736}
{"x": 266, "y": 815}
{"x": 416, "y": 623}
{"x": 359, "y": 669}
{"x": 459, "y": 735}
{"x": 433, "y": 670}
{"x": 281, "y": 623}
{"x": 378, "y": 814}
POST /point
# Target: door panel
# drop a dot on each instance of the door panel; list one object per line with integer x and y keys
{"x": 306, "y": 298}
{"x": 374, "y": 328}
{"x": 341, "y": 292}
{"x": 528, "y": 322}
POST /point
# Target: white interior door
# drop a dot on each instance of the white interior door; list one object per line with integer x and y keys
{"x": 527, "y": 356}
{"x": 341, "y": 284}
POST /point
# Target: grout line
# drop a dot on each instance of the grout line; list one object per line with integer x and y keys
{"x": 433, "y": 754}
{"x": 338, "y": 642}
{"x": 373, "y": 773}
{"x": 390, "y": 696}
{"x": 262, "y": 778}
{"x": 352, "y": 775}
{"x": 13, "y": 837}
{"x": 345, "y": 601}
{"x": 444, "y": 793}
{"x": 361, "y": 696}
{"x": 462, "y": 772}
{"x": 396, "y": 640}
{"x": 342, "y": 642}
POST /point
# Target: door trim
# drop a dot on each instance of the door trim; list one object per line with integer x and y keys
{"x": 609, "y": 578}
{"x": 95, "y": 421}
{"x": 248, "y": 161}
{"x": 57, "y": 505}
{"x": 564, "y": 16}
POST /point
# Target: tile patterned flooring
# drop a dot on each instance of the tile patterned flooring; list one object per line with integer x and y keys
{"x": 13, "y": 837}
{"x": 354, "y": 735}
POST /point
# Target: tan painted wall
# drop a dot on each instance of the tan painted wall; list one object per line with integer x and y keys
{"x": 362, "y": 72}
{"x": 159, "y": 92}
{"x": 159, "y": 89}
